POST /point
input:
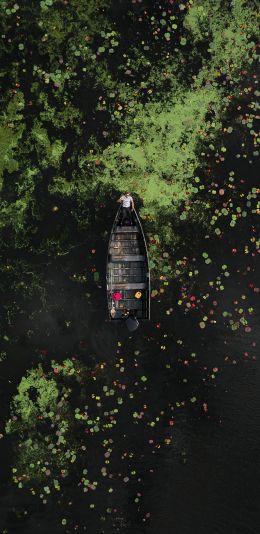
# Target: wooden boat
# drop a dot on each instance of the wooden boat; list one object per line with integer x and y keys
{"x": 128, "y": 273}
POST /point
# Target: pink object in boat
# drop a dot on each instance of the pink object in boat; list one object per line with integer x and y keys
{"x": 116, "y": 295}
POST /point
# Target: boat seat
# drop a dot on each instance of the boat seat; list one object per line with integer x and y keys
{"x": 132, "y": 304}
{"x": 127, "y": 257}
{"x": 126, "y": 229}
{"x": 128, "y": 285}
{"x": 140, "y": 314}
{"x": 125, "y": 250}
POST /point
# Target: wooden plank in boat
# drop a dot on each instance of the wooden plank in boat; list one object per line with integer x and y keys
{"x": 127, "y": 257}
{"x": 128, "y": 285}
{"x": 125, "y": 266}
{"x": 124, "y": 251}
{"x": 126, "y": 229}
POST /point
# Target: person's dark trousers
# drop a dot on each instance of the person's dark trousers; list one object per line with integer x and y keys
{"x": 127, "y": 214}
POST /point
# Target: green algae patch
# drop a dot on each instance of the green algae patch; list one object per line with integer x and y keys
{"x": 54, "y": 417}
{"x": 158, "y": 158}
{"x": 227, "y": 32}
{"x": 95, "y": 110}
{"x": 11, "y": 130}
{"x": 49, "y": 153}
{"x": 41, "y": 423}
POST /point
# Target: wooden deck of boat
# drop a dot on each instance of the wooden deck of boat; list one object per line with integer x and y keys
{"x": 127, "y": 270}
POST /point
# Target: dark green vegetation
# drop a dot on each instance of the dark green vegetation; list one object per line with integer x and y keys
{"x": 52, "y": 416}
{"x": 97, "y": 96}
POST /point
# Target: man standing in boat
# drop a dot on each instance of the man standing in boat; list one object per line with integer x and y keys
{"x": 127, "y": 202}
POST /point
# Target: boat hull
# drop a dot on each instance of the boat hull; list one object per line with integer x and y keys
{"x": 128, "y": 274}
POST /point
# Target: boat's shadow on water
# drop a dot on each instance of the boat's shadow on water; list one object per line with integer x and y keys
{"x": 105, "y": 336}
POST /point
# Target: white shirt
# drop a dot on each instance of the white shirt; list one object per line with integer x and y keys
{"x": 126, "y": 200}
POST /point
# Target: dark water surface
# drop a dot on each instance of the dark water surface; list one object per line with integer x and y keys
{"x": 207, "y": 479}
